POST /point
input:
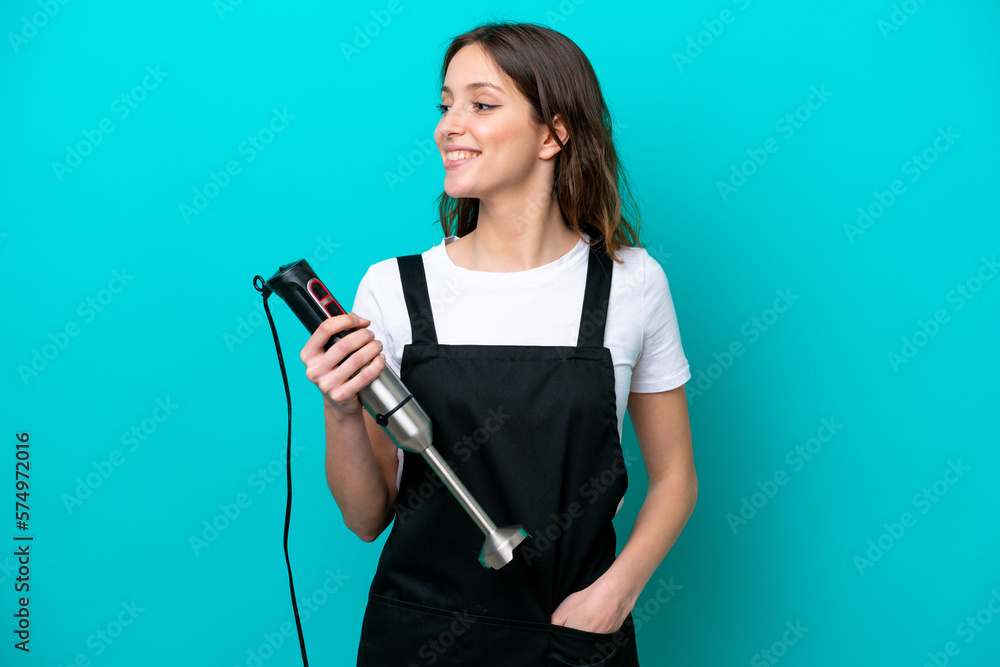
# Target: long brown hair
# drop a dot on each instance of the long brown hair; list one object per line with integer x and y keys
{"x": 555, "y": 76}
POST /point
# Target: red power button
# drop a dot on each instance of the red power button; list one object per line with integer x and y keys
{"x": 324, "y": 298}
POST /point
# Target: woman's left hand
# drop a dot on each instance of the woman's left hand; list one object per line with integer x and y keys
{"x": 600, "y": 607}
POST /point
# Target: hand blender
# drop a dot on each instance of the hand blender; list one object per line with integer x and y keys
{"x": 393, "y": 407}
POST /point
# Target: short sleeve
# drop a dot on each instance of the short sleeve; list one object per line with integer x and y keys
{"x": 661, "y": 364}
{"x": 366, "y": 305}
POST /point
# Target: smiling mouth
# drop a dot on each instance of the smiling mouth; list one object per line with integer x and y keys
{"x": 460, "y": 155}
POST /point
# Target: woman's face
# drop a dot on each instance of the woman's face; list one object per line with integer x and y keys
{"x": 492, "y": 124}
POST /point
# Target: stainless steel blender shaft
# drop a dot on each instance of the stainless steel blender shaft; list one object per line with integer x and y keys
{"x": 392, "y": 406}
{"x": 458, "y": 490}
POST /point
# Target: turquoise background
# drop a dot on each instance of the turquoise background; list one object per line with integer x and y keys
{"x": 185, "y": 328}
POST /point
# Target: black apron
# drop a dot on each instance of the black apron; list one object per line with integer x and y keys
{"x": 532, "y": 431}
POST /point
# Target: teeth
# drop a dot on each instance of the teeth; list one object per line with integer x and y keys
{"x": 460, "y": 155}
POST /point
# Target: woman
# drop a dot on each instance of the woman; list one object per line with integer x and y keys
{"x": 524, "y": 335}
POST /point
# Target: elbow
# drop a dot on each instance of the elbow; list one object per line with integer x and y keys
{"x": 684, "y": 487}
{"x": 680, "y": 485}
{"x": 369, "y": 536}
{"x": 368, "y": 531}
{"x": 364, "y": 533}
{"x": 693, "y": 491}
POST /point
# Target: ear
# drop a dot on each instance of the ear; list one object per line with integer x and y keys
{"x": 549, "y": 146}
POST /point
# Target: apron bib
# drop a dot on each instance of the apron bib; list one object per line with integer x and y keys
{"x": 532, "y": 431}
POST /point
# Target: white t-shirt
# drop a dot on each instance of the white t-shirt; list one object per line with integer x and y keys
{"x": 540, "y": 306}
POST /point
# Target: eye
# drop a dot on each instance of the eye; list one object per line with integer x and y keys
{"x": 443, "y": 108}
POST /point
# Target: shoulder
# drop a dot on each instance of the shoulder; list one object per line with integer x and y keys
{"x": 638, "y": 271}
{"x": 631, "y": 256}
{"x": 384, "y": 277}
{"x": 379, "y": 292}
{"x": 382, "y": 273}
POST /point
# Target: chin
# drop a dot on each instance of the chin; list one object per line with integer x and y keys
{"x": 459, "y": 190}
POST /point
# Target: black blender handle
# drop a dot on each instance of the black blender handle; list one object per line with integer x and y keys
{"x": 307, "y": 296}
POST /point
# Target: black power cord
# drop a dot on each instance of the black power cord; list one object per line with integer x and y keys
{"x": 266, "y": 292}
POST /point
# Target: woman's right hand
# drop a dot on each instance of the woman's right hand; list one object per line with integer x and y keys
{"x": 331, "y": 371}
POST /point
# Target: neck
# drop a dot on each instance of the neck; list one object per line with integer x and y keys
{"x": 517, "y": 238}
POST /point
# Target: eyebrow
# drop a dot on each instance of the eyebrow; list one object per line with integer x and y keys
{"x": 474, "y": 86}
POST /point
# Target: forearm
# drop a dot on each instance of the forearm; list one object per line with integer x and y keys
{"x": 353, "y": 475}
{"x": 669, "y": 502}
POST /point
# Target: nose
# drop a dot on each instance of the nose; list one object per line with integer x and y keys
{"x": 451, "y": 123}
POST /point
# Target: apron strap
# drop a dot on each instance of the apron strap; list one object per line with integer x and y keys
{"x": 596, "y": 297}
{"x": 418, "y": 301}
